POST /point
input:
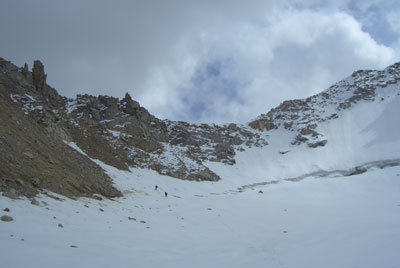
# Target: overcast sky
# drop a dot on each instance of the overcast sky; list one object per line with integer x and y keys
{"x": 204, "y": 60}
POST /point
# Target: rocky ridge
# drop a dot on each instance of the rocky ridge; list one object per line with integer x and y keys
{"x": 120, "y": 133}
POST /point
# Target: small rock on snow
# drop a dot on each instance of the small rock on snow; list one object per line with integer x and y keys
{"x": 6, "y": 218}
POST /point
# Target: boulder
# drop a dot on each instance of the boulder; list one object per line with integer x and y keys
{"x": 6, "y": 218}
{"x": 318, "y": 144}
{"x": 263, "y": 124}
{"x": 308, "y": 131}
{"x": 299, "y": 140}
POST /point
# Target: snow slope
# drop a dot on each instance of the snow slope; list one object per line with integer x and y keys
{"x": 364, "y": 132}
{"x": 316, "y": 222}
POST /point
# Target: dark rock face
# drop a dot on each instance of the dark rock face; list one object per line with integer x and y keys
{"x": 38, "y": 75}
{"x": 33, "y": 156}
{"x": 130, "y": 106}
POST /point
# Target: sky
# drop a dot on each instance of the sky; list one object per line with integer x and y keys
{"x": 200, "y": 61}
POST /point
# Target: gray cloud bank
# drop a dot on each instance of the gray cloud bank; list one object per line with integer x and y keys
{"x": 200, "y": 61}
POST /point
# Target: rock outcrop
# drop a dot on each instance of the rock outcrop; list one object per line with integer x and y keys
{"x": 38, "y": 75}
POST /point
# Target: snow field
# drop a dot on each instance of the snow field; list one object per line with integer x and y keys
{"x": 325, "y": 222}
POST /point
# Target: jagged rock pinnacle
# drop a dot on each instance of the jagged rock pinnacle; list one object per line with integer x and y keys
{"x": 25, "y": 70}
{"x": 38, "y": 75}
{"x": 130, "y": 106}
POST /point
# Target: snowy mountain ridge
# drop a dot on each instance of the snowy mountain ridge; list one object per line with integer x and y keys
{"x": 304, "y": 115}
{"x": 123, "y": 134}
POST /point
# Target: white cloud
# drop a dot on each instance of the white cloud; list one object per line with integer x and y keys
{"x": 290, "y": 54}
{"x": 199, "y": 60}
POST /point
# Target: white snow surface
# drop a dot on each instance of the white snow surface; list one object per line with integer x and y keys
{"x": 325, "y": 222}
